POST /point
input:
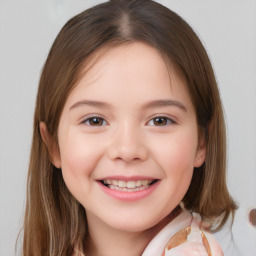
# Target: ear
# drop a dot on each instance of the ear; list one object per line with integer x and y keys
{"x": 201, "y": 152}
{"x": 51, "y": 145}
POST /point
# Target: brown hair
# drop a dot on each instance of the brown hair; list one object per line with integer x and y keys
{"x": 55, "y": 223}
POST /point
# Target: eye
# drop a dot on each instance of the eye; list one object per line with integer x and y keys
{"x": 160, "y": 121}
{"x": 95, "y": 121}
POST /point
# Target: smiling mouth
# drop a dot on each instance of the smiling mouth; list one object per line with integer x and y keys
{"x": 128, "y": 186}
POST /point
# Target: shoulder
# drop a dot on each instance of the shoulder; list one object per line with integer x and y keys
{"x": 184, "y": 237}
{"x": 205, "y": 237}
{"x": 216, "y": 250}
{"x": 159, "y": 242}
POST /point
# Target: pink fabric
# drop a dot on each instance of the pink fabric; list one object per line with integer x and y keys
{"x": 192, "y": 247}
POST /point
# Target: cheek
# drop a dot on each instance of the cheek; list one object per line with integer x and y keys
{"x": 176, "y": 159}
{"x": 78, "y": 155}
{"x": 177, "y": 153}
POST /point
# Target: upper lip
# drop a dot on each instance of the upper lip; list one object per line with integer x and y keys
{"x": 127, "y": 178}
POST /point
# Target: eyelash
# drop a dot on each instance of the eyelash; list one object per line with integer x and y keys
{"x": 100, "y": 120}
{"x": 165, "y": 119}
{"x": 152, "y": 122}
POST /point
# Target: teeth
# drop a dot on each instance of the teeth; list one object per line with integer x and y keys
{"x": 127, "y": 189}
{"x": 131, "y": 184}
{"x": 126, "y": 185}
{"x": 122, "y": 184}
{"x": 144, "y": 182}
{"x": 138, "y": 183}
{"x": 115, "y": 182}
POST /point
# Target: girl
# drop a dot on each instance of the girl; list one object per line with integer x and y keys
{"x": 128, "y": 154}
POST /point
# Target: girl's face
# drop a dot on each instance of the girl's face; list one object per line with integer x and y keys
{"x": 128, "y": 139}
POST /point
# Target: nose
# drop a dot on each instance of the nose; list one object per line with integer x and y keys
{"x": 127, "y": 145}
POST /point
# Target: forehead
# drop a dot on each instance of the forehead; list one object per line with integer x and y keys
{"x": 129, "y": 69}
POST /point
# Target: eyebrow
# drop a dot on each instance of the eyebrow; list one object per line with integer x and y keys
{"x": 165, "y": 103}
{"x": 151, "y": 104}
{"x": 92, "y": 103}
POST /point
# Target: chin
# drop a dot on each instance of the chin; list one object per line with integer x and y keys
{"x": 134, "y": 225}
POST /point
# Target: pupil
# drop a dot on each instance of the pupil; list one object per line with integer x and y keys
{"x": 160, "y": 121}
{"x": 96, "y": 121}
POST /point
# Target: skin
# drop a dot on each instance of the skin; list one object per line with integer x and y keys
{"x": 127, "y": 142}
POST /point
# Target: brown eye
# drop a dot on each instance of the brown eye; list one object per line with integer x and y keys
{"x": 160, "y": 121}
{"x": 95, "y": 121}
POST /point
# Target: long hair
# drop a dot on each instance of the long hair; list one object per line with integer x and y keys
{"x": 55, "y": 222}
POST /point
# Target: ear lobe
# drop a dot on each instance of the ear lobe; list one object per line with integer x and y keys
{"x": 51, "y": 145}
{"x": 201, "y": 153}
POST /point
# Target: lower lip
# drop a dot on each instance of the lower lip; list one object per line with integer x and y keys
{"x": 129, "y": 196}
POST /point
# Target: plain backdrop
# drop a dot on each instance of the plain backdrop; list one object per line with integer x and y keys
{"x": 228, "y": 31}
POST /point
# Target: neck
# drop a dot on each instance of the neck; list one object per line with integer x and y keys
{"x": 103, "y": 240}
{"x": 116, "y": 243}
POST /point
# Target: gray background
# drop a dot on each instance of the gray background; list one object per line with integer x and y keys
{"x": 227, "y": 29}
